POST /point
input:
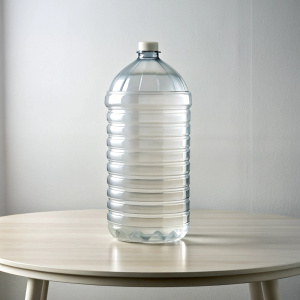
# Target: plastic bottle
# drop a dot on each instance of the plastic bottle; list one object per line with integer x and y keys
{"x": 148, "y": 151}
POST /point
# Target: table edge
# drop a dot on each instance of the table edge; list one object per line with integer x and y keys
{"x": 149, "y": 275}
{"x": 152, "y": 282}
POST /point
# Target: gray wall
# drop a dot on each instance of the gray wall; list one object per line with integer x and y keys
{"x": 241, "y": 62}
{"x": 2, "y": 159}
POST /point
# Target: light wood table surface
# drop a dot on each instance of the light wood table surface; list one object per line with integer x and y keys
{"x": 220, "y": 248}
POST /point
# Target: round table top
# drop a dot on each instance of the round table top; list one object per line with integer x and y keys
{"x": 221, "y": 246}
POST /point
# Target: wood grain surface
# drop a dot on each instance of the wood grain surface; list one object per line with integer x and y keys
{"x": 219, "y": 243}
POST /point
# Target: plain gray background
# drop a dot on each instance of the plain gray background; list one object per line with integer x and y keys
{"x": 241, "y": 62}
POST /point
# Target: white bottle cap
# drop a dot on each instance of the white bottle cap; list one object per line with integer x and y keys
{"x": 148, "y": 46}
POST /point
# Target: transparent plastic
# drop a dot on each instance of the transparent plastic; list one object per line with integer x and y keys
{"x": 148, "y": 152}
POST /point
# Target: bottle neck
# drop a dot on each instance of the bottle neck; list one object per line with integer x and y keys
{"x": 148, "y": 54}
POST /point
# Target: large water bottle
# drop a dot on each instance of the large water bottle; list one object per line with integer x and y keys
{"x": 148, "y": 151}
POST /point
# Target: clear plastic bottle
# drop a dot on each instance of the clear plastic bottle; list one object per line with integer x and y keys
{"x": 148, "y": 151}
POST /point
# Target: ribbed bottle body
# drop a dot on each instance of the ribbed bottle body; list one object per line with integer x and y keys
{"x": 148, "y": 165}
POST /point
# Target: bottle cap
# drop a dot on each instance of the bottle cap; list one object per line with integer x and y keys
{"x": 148, "y": 46}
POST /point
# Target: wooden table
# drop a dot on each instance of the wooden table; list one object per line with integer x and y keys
{"x": 220, "y": 248}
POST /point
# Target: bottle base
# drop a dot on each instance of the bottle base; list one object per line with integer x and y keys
{"x": 147, "y": 235}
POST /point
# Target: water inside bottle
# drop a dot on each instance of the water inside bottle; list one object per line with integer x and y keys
{"x": 148, "y": 152}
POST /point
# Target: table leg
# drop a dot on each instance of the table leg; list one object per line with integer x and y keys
{"x": 256, "y": 292}
{"x": 45, "y": 290}
{"x": 271, "y": 290}
{"x": 34, "y": 289}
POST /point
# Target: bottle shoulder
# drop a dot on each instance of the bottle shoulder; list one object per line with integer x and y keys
{"x": 148, "y": 75}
